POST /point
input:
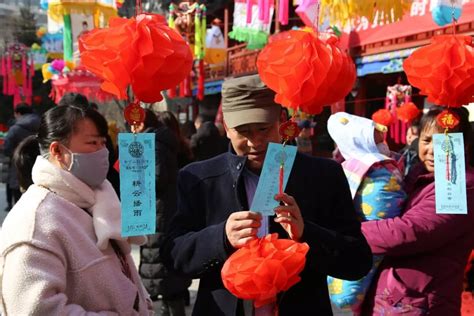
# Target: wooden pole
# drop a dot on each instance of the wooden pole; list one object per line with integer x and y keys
{"x": 226, "y": 27}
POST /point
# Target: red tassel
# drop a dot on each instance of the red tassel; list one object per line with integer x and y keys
{"x": 282, "y": 174}
{"x": 200, "y": 92}
{"x": 448, "y": 169}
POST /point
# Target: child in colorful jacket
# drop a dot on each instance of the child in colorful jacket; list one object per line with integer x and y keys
{"x": 375, "y": 182}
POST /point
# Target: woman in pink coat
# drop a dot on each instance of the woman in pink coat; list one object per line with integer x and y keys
{"x": 425, "y": 253}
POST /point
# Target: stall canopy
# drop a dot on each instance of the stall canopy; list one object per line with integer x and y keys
{"x": 417, "y": 20}
{"x": 382, "y": 63}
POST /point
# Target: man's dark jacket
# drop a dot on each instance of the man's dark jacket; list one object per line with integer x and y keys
{"x": 209, "y": 191}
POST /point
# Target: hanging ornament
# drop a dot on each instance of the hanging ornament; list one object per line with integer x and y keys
{"x": 397, "y": 95}
{"x": 443, "y": 70}
{"x": 408, "y": 112}
{"x": 142, "y": 52}
{"x": 447, "y": 119}
{"x": 252, "y": 29}
{"x": 134, "y": 114}
{"x": 17, "y": 70}
{"x": 443, "y": 11}
{"x": 288, "y": 132}
{"x": 263, "y": 268}
{"x": 383, "y": 117}
{"x": 344, "y": 13}
{"x": 307, "y": 72}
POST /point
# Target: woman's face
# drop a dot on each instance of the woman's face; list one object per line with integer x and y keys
{"x": 85, "y": 139}
{"x": 425, "y": 147}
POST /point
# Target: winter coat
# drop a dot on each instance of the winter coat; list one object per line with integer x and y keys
{"x": 207, "y": 142}
{"x": 156, "y": 278}
{"x": 56, "y": 253}
{"x": 425, "y": 253}
{"x": 209, "y": 191}
{"x": 24, "y": 126}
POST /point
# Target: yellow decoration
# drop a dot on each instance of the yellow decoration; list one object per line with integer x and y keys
{"x": 381, "y": 214}
{"x": 58, "y": 8}
{"x": 70, "y": 65}
{"x": 392, "y": 185}
{"x": 47, "y": 75}
{"x": 368, "y": 186}
{"x": 344, "y": 12}
{"x": 335, "y": 287}
{"x": 366, "y": 209}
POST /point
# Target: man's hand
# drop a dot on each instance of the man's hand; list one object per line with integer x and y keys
{"x": 242, "y": 227}
{"x": 289, "y": 216}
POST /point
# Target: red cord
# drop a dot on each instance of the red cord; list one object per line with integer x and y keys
{"x": 282, "y": 173}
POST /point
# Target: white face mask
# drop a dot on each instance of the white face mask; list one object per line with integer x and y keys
{"x": 90, "y": 168}
{"x": 383, "y": 149}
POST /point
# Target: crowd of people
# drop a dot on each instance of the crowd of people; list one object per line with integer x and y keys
{"x": 368, "y": 215}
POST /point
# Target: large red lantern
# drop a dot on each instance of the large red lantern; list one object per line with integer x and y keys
{"x": 263, "y": 268}
{"x": 444, "y": 70}
{"x": 306, "y": 72}
{"x": 142, "y": 52}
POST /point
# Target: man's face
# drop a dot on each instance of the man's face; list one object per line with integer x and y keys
{"x": 251, "y": 140}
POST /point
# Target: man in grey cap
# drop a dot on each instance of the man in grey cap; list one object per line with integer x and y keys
{"x": 213, "y": 217}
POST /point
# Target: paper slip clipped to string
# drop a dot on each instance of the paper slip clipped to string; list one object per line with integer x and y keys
{"x": 137, "y": 183}
{"x": 264, "y": 200}
{"x": 450, "y": 174}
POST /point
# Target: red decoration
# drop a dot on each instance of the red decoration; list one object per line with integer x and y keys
{"x": 142, "y": 52}
{"x": 447, "y": 119}
{"x": 443, "y": 70}
{"x": 79, "y": 81}
{"x": 263, "y": 268}
{"x": 407, "y": 112}
{"x": 305, "y": 71}
{"x": 201, "y": 77}
{"x": 134, "y": 114}
{"x": 289, "y": 130}
{"x": 383, "y": 117}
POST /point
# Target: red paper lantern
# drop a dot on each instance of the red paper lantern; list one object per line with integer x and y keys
{"x": 444, "y": 70}
{"x": 142, "y": 52}
{"x": 305, "y": 71}
{"x": 383, "y": 117}
{"x": 264, "y": 267}
{"x": 407, "y": 112}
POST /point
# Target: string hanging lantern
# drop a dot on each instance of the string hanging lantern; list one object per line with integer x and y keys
{"x": 142, "y": 52}
{"x": 306, "y": 71}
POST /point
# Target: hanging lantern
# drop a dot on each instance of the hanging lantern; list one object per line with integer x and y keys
{"x": 443, "y": 11}
{"x": 263, "y": 268}
{"x": 408, "y": 112}
{"x": 383, "y": 117}
{"x": 443, "y": 70}
{"x": 142, "y": 52}
{"x": 17, "y": 70}
{"x": 305, "y": 71}
{"x": 345, "y": 12}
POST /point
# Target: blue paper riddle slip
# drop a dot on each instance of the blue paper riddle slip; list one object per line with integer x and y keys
{"x": 137, "y": 183}
{"x": 264, "y": 201}
{"x": 450, "y": 180}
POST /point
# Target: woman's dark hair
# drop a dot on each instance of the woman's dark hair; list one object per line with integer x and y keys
{"x": 188, "y": 129}
{"x": 168, "y": 119}
{"x": 185, "y": 155}
{"x": 150, "y": 119}
{"x": 57, "y": 124}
